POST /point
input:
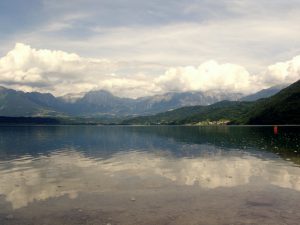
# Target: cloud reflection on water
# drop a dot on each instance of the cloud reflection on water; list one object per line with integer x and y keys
{"x": 69, "y": 172}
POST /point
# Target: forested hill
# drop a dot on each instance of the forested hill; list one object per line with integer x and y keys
{"x": 282, "y": 108}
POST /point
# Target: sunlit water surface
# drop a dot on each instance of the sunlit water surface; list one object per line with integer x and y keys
{"x": 149, "y": 175}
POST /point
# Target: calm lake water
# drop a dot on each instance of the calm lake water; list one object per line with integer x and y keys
{"x": 149, "y": 175}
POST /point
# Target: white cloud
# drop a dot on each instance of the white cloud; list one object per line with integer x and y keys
{"x": 208, "y": 76}
{"x": 59, "y": 72}
{"x": 281, "y": 72}
{"x": 51, "y": 70}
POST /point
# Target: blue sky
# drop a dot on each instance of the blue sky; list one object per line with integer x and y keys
{"x": 165, "y": 43}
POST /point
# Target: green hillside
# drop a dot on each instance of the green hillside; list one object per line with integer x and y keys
{"x": 221, "y": 111}
{"x": 282, "y": 108}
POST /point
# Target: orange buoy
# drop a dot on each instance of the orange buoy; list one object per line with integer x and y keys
{"x": 275, "y": 130}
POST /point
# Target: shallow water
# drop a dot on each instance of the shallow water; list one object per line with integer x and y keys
{"x": 149, "y": 175}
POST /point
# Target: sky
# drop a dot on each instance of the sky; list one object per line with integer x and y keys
{"x": 135, "y": 48}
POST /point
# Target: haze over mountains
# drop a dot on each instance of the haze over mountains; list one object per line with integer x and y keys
{"x": 281, "y": 108}
{"x": 102, "y": 103}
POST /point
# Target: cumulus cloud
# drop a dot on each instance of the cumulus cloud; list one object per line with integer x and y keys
{"x": 52, "y": 70}
{"x": 208, "y": 76}
{"x": 281, "y": 72}
{"x": 211, "y": 75}
{"x": 27, "y": 65}
{"x": 59, "y": 72}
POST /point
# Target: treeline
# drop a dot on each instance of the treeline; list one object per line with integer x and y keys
{"x": 28, "y": 120}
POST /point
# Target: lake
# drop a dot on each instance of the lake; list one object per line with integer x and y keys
{"x": 135, "y": 175}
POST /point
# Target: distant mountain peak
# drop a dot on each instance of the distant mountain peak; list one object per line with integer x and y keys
{"x": 3, "y": 88}
{"x": 282, "y": 108}
{"x": 100, "y": 102}
{"x": 264, "y": 93}
{"x": 72, "y": 97}
{"x": 100, "y": 92}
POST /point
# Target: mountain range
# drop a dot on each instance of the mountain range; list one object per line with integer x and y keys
{"x": 103, "y": 104}
{"x": 281, "y": 108}
{"x": 100, "y": 103}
